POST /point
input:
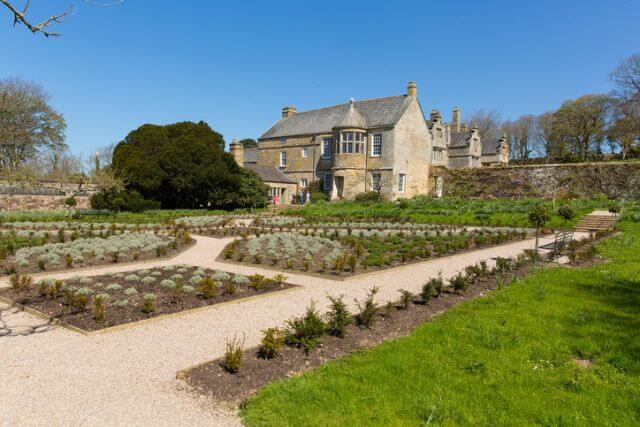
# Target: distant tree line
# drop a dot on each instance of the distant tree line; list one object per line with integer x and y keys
{"x": 592, "y": 127}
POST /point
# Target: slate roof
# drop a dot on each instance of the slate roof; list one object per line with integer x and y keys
{"x": 490, "y": 143}
{"x": 250, "y": 155}
{"x": 270, "y": 173}
{"x": 374, "y": 112}
{"x": 459, "y": 138}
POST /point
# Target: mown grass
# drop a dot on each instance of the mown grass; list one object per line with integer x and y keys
{"x": 507, "y": 359}
{"x": 497, "y": 212}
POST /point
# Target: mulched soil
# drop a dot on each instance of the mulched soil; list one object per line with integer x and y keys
{"x": 115, "y": 315}
{"x": 212, "y": 380}
{"x": 314, "y": 269}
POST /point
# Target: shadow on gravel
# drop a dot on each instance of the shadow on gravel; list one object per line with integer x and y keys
{"x": 8, "y": 329}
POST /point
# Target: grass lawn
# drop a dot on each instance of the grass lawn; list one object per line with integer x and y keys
{"x": 507, "y": 359}
{"x": 497, "y": 212}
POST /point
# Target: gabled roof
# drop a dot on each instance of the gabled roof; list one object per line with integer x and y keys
{"x": 250, "y": 155}
{"x": 491, "y": 144}
{"x": 352, "y": 118}
{"x": 270, "y": 173}
{"x": 375, "y": 113}
{"x": 459, "y": 138}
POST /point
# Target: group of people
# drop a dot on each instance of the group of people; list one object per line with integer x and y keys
{"x": 300, "y": 198}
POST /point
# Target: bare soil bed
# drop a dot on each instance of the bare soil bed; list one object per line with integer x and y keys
{"x": 211, "y": 379}
{"x": 136, "y": 295}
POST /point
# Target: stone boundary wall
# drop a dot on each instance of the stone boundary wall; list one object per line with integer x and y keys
{"x": 43, "y": 196}
{"x": 25, "y": 202}
{"x": 571, "y": 180}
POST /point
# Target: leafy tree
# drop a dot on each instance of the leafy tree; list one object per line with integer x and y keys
{"x": 181, "y": 165}
{"x": 121, "y": 200}
{"x": 538, "y": 217}
{"x": 27, "y": 123}
{"x": 566, "y": 212}
{"x": 581, "y": 124}
{"x": 253, "y": 192}
{"x": 248, "y": 143}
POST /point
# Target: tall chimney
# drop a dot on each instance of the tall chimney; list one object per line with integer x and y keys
{"x": 455, "y": 118}
{"x": 288, "y": 111}
{"x": 435, "y": 115}
{"x": 237, "y": 152}
{"x": 412, "y": 89}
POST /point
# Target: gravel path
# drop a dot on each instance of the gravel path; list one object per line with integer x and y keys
{"x": 51, "y": 376}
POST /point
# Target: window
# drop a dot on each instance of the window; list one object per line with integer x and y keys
{"x": 283, "y": 140}
{"x": 305, "y": 152}
{"x": 326, "y": 148}
{"x": 376, "y": 181}
{"x": 376, "y": 147}
{"x": 303, "y": 182}
{"x": 327, "y": 182}
{"x": 349, "y": 147}
{"x": 401, "y": 178}
{"x": 283, "y": 159}
{"x": 436, "y": 155}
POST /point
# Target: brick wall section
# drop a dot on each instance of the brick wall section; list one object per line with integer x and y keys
{"x": 615, "y": 180}
{"x": 38, "y": 202}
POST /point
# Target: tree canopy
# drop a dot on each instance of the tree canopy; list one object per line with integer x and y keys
{"x": 184, "y": 165}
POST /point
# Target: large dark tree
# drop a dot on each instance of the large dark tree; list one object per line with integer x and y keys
{"x": 182, "y": 165}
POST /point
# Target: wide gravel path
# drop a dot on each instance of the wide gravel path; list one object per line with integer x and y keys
{"x": 52, "y": 376}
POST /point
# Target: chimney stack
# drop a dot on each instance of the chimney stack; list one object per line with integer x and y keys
{"x": 412, "y": 89}
{"x": 288, "y": 111}
{"x": 237, "y": 152}
{"x": 435, "y": 115}
{"x": 455, "y": 118}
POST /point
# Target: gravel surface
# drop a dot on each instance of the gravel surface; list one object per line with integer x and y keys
{"x": 52, "y": 376}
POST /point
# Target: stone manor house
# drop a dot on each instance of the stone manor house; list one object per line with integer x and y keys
{"x": 384, "y": 144}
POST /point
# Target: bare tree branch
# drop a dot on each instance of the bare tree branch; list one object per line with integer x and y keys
{"x": 20, "y": 17}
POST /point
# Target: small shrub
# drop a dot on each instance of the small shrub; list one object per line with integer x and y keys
{"x": 460, "y": 282}
{"x": 232, "y": 361}
{"x": 148, "y": 303}
{"x": 68, "y": 260}
{"x": 406, "y": 297}
{"x": 279, "y": 279}
{"x": 367, "y": 309}
{"x": 130, "y": 291}
{"x": 338, "y": 317}
{"x": 428, "y": 291}
{"x": 209, "y": 288}
{"x": 230, "y": 288}
{"x": 305, "y": 332}
{"x": 122, "y": 303}
{"x": 114, "y": 287}
{"x": 21, "y": 282}
{"x": 271, "y": 343}
{"x": 99, "y": 307}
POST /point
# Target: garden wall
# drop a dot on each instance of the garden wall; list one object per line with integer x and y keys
{"x": 43, "y": 196}
{"x": 578, "y": 180}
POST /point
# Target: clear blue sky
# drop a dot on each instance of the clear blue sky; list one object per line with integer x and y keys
{"x": 235, "y": 64}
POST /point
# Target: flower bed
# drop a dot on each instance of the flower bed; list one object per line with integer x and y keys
{"x": 93, "y": 303}
{"x": 85, "y": 252}
{"x": 343, "y": 253}
{"x": 278, "y": 221}
{"x": 339, "y": 332}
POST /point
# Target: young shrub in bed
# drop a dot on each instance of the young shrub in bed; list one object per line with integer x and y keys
{"x": 406, "y": 298}
{"x": 209, "y": 288}
{"x": 305, "y": 332}
{"x": 232, "y": 361}
{"x": 148, "y": 303}
{"x": 21, "y": 282}
{"x": 428, "y": 291}
{"x": 338, "y": 317}
{"x": 271, "y": 343}
{"x": 368, "y": 309}
{"x": 99, "y": 309}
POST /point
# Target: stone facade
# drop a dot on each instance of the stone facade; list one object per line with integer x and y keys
{"x": 381, "y": 144}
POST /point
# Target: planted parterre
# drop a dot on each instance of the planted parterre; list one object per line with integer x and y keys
{"x": 85, "y": 252}
{"x": 92, "y": 303}
{"x": 79, "y": 226}
{"x": 278, "y": 221}
{"x": 347, "y": 252}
